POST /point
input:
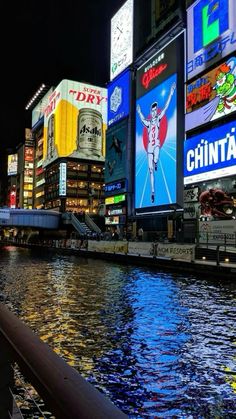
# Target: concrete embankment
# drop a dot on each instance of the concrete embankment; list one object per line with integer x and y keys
{"x": 164, "y": 256}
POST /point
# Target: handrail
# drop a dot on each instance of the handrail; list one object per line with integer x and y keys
{"x": 71, "y": 218}
{"x": 66, "y": 394}
{"x": 91, "y": 224}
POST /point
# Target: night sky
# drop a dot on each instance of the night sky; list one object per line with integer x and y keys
{"x": 45, "y": 42}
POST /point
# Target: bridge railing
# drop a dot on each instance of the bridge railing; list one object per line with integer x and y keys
{"x": 65, "y": 393}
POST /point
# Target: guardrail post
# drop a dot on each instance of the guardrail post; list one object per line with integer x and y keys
{"x": 217, "y": 255}
{"x": 6, "y": 380}
{"x": 225, "y": 241}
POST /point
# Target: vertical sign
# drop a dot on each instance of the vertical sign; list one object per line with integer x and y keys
{"x": 62, "y": 179}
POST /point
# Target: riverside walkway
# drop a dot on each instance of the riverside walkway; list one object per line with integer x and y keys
{"x": 211, "y": 259}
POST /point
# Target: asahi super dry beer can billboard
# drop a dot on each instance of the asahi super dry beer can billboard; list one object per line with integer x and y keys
{"x": 75, "y": 121}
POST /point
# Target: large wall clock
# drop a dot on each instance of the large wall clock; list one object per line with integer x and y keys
{"x": 121, "y": 39}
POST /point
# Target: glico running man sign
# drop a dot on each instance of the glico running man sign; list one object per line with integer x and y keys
{"x": 157, "y": 128}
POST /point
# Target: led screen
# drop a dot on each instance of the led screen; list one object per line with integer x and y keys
{"x": 12, "y": 164}
{"x": 211, "y": 96}
{"x": 75, "y": 121}
{"x": 155, "y": 178}
{"x": 118, "y": 98}
{"x": 38, "y": 111}
{"x": 211, "y": 154}
{"x": 116, "y": 140}
{"x": 158, "y": 127}
{"x": 211, "y": 33}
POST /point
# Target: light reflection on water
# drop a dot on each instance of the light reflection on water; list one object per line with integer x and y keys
{"x": 157, "y": 344}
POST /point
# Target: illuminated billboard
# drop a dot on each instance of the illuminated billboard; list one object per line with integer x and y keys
{"x": 62, "y": 179}
{"x": 157, "y": 121}
{"x": 118, "y": 99}
{"x": 121, "y": 39}
{"x": 115, "y": 199}
{"x": 38, "y": 111}
{"x": 29, "y": 154}
{"x": 75, "y": 121}
{"x": 12, "y": 164}
{"x": 211, "y": 154}
{"x": 116, "y": 141}
{"x": 211, "y": 96}
{"x": 211, "y": 33}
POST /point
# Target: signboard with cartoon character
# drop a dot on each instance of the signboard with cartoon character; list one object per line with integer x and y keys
{"x": 211, "y": 96}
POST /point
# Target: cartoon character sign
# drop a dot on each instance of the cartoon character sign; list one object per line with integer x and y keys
{"x": 226, "y": 86}
{"x": 155, "y": 178}
{"x": 212, "y": 96}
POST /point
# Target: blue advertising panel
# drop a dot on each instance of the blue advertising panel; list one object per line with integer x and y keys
{"x": 119, "y": 98}
{"x": 116, "y": 140}
{"x": 160, "y": 130}
{"x": 211, "y": 154}
{"x": 156, "y": 146}
{"x": 115, "y": 187}
{"x": 211, "y": 33}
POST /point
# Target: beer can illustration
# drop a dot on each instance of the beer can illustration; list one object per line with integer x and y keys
{"x": 89, "y": 132}
{"x": 51, "y": 135}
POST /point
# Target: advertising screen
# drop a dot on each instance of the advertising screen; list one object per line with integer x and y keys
{"x": 38, "y": 111}
{"x": 211, "y": 96}
{"x": 120, "y": 185}
{"x": 75, "y": 121}
{"x": 211, "y": 33}
{"x": 116, "y": 140}
{"x": 121, "y": 39}
{"x": 62, "y": 179}
{"x": 211, "y": 154}
{"x": 12, "y": 164}
{"x": 12, "y": 197}
{"x": 29, "y": 154}
{"x": 119, "y": 98}
{"x": 156, "y": 129}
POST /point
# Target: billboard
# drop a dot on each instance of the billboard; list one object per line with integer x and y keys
{"x": 211, "y": 33}
{"x": 12, "y": 164}
{"x": 29, "y": 154}
{"x": 62, "y": 179}
{"x": 211, "y": 96}
{"x": 118, "y": 98}
{"x": 156, "y": 128}
{"x": 75, "y": 121}
{"x": 116, "y": 143}
{"x": 211, "y": 154}
{"x": 38, "y": 111}
{"x": 121, "y": 39}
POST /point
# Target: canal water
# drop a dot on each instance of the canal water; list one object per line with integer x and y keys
{"x": 158, "y": 344}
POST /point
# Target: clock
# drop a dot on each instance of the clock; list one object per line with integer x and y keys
{"x": 121, "y": 39}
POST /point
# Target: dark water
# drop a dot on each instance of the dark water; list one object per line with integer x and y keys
{"x": 159, "y": 345}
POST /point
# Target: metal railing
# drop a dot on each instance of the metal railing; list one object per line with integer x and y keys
{"x": 65, "y": 393}
{"x": 217, "y": 239}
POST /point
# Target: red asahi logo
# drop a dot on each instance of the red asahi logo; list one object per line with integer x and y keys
{"x": 151, "y": 74}
{"x": 52, "y": 103}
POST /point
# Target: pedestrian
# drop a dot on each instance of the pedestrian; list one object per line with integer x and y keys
{"x": 140, "y": 234}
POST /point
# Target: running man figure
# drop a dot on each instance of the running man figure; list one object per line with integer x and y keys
{"x": 153, "y": 126}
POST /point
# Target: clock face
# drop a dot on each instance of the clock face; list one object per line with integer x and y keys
{"x": 122, "y": 39}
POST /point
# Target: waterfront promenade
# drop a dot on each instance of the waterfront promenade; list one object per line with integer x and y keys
{"x": 206, "y": 259}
